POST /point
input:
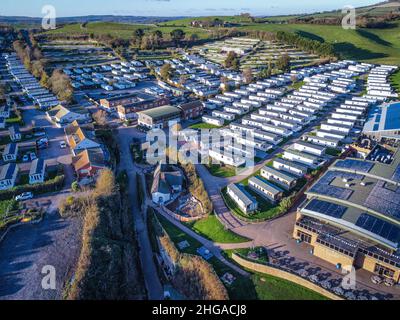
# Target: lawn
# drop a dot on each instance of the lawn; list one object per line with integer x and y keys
{"x": 212, "y": 229}
{"x": 272, "y": 288}
{"x": 122, "y": 30}
{"x": 244, "y": 288}
{"x": 203, "y": 126}
{"x": 395, "y": 79}
{"x": 222, "y": 171}
{"x": 7, "y": 205}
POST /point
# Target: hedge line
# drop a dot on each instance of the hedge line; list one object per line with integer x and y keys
{"x": 52, "y": 185}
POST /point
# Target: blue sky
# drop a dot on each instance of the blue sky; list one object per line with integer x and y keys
{"x": 173, "y": 7}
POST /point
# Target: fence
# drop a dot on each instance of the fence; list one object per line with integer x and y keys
{"x": 273, "y": 271}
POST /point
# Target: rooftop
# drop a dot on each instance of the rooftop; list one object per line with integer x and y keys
{"x": 383, "y": 118}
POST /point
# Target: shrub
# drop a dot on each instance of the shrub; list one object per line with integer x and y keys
{"x": 52, "y": 185}
{"x": 75, "y": 186}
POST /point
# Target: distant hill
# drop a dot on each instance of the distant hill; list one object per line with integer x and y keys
{"x": 91, "y": 18}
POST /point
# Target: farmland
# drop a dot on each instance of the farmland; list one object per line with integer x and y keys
{"x": 121, "y": 30}
{"x": 372, "y": 45}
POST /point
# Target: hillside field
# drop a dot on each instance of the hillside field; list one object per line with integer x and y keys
{"x": 122, "y": 30}
{"x": 369, "y": 45}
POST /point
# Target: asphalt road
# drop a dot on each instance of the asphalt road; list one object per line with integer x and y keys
{"x": 27, "y": 249}
{"x": 149, "y": 269}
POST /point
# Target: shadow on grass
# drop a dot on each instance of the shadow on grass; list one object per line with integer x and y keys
{"x": 309, "y": 35}
{"x": 350, "y": 51}
{"x": 373, "y": 37}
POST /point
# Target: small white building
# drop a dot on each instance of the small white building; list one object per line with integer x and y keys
{"x": 8, "y": 176}
{"x": 37, "y": 173}
{"x": 242, "y": 198}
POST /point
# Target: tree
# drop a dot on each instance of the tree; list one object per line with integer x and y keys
{"x": 61, "y": 86}
{"x": 166, "y": 72}
{"x": 44, "y": 80}
{"x": 248, "y": 75}
{"x": 139, "y": 33}
{"x": 100, "y": 117}
{"x": 283, "y": 63}
{"x": 75, "y": 186}
{"x": 105, "y": 184}
{"x": 193, "y": 37}
{"x": 177, "y": 35}
{"x": 232, "y": 61}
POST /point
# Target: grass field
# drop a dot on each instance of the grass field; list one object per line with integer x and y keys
{"x": 255, "y": 287}
{"x": 203, "y": 126}
{"x": 221, "y": 171}
{"x": 372, "y": 45}
{"x": 212, "y": 229}
{"x": 395, "y": 79}
{"x": 122, "y": 30}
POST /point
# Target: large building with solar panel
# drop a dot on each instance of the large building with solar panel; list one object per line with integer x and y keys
{"x": 383, "y": 122}
{"x": 352, "y": 216}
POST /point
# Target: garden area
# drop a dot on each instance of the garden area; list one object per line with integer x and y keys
{"x": 255, "y": 287}
{"x": 212, "y": 229}
{"x": 203, "y": 126}
{"x": 222, "y": 171}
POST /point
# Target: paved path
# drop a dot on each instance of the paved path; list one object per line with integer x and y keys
{"x": 214, "y": 248}
{"x": 149, "y": 269}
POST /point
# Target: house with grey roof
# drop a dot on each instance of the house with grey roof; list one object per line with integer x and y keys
{"x": 8, "y": 176}
{"x": 167, "y": 182}
{"x": 10, "y": 152}
{"x": 266, "y": 189}
{"x": 15, "y": 134}
{"x": 37, "y": 172}
{"x": 242, "y": 198}
{"x": 282, "y": 178}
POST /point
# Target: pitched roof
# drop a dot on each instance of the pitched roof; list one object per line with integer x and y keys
{"x": 7, "y": 171}
{"x": 242, "y": 194}
{"x": 91, "y": 157}
{"x": 191, "y": 105}
{"x": 38, "y": 166}
{"x": 161, "y": 112}
{"x": 164, "y": 178}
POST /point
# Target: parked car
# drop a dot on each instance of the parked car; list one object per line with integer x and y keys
{"x": 43, "y": 140}
{"x": 33, "y": 156}
{"x": 25, "y": 158}
{"x": 24, "y": 196}
{"x": 39, "y": 134}
{"x": 63, "y": 145}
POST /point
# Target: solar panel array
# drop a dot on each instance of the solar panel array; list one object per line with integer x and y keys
{"x": 396, "y": 174}
{"x": 353, "y": 164}
{"x": 327, "y": 208}
{"x": 323, "y": 186}
{"x": 379, "y": 227}
{"x": 383, "y": 200}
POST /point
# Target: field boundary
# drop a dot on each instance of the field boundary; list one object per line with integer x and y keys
{"x": 272, "y": 271}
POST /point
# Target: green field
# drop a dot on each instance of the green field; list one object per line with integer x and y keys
{"x": 372, "y": 45}
{"x": 203, "y": 126}
{"x": 122, "y": 30}
{"x": 395, "y": 79}
{"x": 212, "y": 229}
{"x": 221, "y": 171}
{"x": 255, "y": 287}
